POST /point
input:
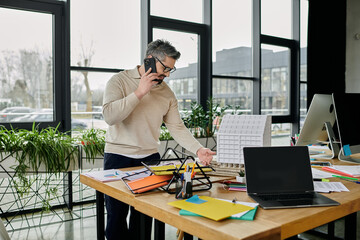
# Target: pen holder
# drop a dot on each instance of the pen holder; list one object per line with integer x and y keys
{"x": 183, "y": 188}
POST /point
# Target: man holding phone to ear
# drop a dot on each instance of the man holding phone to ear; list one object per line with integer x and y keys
{"x": 136, "y": 103}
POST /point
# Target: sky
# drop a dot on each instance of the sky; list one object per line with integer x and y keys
{"x": 112, "y": 33}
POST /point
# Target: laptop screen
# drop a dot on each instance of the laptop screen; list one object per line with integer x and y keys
{"x": 277, "y": 169}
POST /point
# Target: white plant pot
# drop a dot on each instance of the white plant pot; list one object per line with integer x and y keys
{"x": 7, "y": 165}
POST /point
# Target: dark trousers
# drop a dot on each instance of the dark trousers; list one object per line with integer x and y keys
{"x": 116, "y": 227}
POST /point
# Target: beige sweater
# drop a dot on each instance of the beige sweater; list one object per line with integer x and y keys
{"x": 134, "y": 125}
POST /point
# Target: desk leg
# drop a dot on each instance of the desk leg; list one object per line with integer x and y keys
{"x": 331, "y": 230}
{"x": 350, "y": 226}
{"x": 188, "y": 236}
{"x": 100, "y": 224}
{"x": 159, "y": 230}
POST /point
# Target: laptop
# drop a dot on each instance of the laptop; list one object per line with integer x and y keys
{"x": 281, "y": 177}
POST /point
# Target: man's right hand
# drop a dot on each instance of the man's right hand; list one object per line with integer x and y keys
{"x": 146, "y": 83}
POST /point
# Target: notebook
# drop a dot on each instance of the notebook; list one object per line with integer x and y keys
{"x": 280, "y": 177}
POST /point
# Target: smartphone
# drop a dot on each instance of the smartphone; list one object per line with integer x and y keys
{"x": 322, "y": 164}
{"x": 151, "y": 63}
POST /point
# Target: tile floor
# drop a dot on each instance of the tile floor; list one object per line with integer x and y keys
{"x": 76, "y": 228}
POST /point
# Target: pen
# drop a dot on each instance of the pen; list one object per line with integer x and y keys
{"x": 321, "y": 179}
{"x": 192, "y": 171}
{"x": 358, "y": 182}
{"x": 349, "y": 178}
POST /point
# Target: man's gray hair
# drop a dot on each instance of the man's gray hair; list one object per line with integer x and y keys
{"x": 161, "y": 48}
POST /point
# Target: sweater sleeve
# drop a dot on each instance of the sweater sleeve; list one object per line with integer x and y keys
{"x": 116, "y": 105}
{"x": 178, "y": 130}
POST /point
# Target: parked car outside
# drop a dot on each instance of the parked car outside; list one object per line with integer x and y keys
{"x": 97, "y": 112}
{"x": 43, "y": 115}
{"x": 9, "y": 113}
{"x": 76, "y": 124}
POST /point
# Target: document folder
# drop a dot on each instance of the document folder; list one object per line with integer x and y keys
{"x": 147, "y": 183}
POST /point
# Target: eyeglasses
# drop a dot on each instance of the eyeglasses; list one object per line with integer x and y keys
{"x": 166, "y": 69}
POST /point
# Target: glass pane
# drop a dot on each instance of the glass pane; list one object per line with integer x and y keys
{"x": 232, "y": 45}
{"x": 86, "y": 104}
{"x": 280, "y": 134}
{"x": 105, "y": 35}
{"x": 276, "y": 18}
{"x": 26, "y": 66}
{"x": 186, "y": 10}
{"x": 275, "y": 82}
{"x": 303, "y": 103}
{"x": 304, "y": 12}
{"x": 184, "y": 80}
{"x": 235, "y": 93}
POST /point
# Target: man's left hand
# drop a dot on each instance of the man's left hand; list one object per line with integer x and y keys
{"x": 205, "y": 155}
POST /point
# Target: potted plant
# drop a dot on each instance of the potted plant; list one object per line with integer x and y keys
{"x": 241, "y": 178}
{"x": 92, "y": 143}
{"x": 36, "y": 151}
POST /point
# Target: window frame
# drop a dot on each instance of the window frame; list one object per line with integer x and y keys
{"x": 60, "y": 62}
{"x": 149, "y": 22}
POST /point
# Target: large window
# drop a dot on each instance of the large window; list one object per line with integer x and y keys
{"x": 186, "y": 10}
{"x": 240, "y": 53}
{"x": 31, "y": 64}
{"x": 304, "y": 11}
{"x": 184, "y": 80}
{"x": 105, "y": 38}
{"x": 275, "y": 81}
{"x": 26, "y": 63}
{"x": 276, "y": 18}
{"x": 231, "y": 38}
{"x": 232, "y": 54}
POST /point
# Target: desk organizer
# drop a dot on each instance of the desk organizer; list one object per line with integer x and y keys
{"x": 176, "y": 166}
{"x": 239, "y": 131}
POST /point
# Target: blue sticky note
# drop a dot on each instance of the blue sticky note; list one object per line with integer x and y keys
{"x": 346, "y": 149}
{"x": 195, "y": 199}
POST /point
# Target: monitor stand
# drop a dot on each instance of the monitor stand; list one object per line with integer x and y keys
{"x": 350, "y": 158}
{"x": 333, "y": 144}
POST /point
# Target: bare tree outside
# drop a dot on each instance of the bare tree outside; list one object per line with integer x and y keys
{"x": 85, "y": 61}
{"x": 26, "y": 78}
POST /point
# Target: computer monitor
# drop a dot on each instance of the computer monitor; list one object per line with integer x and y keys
{"x": 347, "y": 117}
{"x": 318, "y": 124}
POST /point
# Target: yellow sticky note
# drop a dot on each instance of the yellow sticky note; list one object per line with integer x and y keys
{"x": 213, "y": 208}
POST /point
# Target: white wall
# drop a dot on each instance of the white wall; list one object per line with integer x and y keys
{"x": 352, "y": 75}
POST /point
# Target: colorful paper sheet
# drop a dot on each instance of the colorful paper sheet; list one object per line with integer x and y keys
{"x": 213, "y": 208}
{"x": 148, "y": 183}
{"x": 248, "y": 216}
{"x": 169, "y": 169}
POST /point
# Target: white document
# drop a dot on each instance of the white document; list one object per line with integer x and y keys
{"x": 353, "y": 170}
{"x": 326, "y": 187}
{"x": 106, "y": 175}
{"x": 316, "y": 173}
{"x": 136, "y": 174}
{"x": 238, "y": 215}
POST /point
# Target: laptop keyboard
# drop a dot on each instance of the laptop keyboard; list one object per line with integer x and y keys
{"x": 287, "y": 196}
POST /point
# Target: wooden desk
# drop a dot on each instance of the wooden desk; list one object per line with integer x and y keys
{"x": 268, "y": 224}
{"x": 154, "y": 204}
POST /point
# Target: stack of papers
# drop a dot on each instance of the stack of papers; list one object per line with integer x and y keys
{"x": 316, "y": 173}
{"x": 106, "y": 175}
{"x": 212, "y": 208}
{"x": 115, "y": 175}
{"x": 326, "y": 187}
{"x": 235, "y": 186}
{"x": 349, "y": 171}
